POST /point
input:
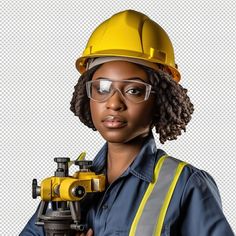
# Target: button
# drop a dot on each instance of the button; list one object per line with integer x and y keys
{"x": 105, "y": 206}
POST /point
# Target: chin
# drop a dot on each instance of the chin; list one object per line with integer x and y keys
{"x": 114, "y": 137}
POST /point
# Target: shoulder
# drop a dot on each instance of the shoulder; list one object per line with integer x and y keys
{"x": 192, "y": 185}
{"x": 198, "y": 203}
{"x": 191, "y": 176}
{"x": 192, "y": 182}
{"x": 200, "y": 184}
{"x": 196, "y": 183}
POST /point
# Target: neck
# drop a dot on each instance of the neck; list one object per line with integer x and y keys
{"x": 120, "y": 156}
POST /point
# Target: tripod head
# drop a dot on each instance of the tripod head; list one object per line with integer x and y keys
{"x": 59, "y": 211}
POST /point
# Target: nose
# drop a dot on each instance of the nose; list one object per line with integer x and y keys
{"x": 116, "y": 102}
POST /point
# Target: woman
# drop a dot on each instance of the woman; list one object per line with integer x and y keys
{"x": 129, "y": 85}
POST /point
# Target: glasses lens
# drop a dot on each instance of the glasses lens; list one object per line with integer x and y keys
{"x": 99, "y": 90}
{"x": 134, "y": 91}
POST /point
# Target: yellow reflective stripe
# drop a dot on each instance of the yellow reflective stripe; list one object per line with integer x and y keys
{"x": 168, "y": 197}
{"x": 146, "y": 195}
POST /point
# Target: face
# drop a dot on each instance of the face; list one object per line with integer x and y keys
{"x": 117, "y": 119}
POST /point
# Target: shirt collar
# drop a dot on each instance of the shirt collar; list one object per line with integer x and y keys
{"x": 99, "y": 162}
{"x": 143, "y": 165}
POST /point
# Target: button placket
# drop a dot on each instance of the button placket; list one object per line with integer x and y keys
{"x": 105, "y": 205}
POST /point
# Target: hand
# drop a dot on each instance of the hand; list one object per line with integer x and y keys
{"x": 89, "y": 233}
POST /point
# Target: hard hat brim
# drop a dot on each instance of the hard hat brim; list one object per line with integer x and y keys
{"x": 82, "y": 63}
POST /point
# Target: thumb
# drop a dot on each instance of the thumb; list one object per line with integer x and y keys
{"x": 90, "y": 232}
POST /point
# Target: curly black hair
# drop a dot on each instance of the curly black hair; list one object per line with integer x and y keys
{"x": 173, "y": 108}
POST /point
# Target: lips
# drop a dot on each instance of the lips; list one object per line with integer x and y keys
{"x": 114, "y": 122}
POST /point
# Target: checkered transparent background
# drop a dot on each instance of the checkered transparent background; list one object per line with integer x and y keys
{"x": 40, "y": 41}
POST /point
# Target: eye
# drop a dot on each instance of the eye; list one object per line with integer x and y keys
{"x": 134, "y": 91}
{"x": 102, "y": 90}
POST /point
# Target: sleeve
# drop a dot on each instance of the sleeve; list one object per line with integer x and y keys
{"x": 31, "y": 229}
{"x": 201, "y": 212}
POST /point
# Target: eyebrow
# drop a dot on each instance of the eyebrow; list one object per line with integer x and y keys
{"x": 130, "y": 78}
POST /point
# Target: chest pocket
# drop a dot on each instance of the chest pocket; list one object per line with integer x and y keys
{"x": 151, "y": 213}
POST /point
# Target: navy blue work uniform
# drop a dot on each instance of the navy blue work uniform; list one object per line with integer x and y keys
{"x": 194, "y": 210}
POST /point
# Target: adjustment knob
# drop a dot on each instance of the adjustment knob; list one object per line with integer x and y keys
{"x": 61, "y": 159}
{"x": 84, "y": 165}
{"x": 62, "y": 166}
{"x": 78, "y": 191}
{"x": 35, "y": 189}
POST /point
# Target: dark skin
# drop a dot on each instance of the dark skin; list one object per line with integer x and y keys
{"x": 132, "y": 123}
{"x": 125, "y": 135}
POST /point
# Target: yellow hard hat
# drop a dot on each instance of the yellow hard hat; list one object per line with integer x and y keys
{"x": 130, "y": 34}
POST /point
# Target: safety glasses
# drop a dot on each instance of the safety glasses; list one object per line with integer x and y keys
{"x": 132, "y": 90}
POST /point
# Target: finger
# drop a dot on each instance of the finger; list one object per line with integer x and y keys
{"x": 80, "y": 234}
{"x": 90, "y": 232}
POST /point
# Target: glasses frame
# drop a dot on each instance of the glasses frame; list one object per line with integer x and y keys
{"x": 147, "y": 95}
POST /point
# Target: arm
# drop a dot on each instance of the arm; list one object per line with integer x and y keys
{"x": 31, "y": 229}
{"x": 201, "y": 210}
